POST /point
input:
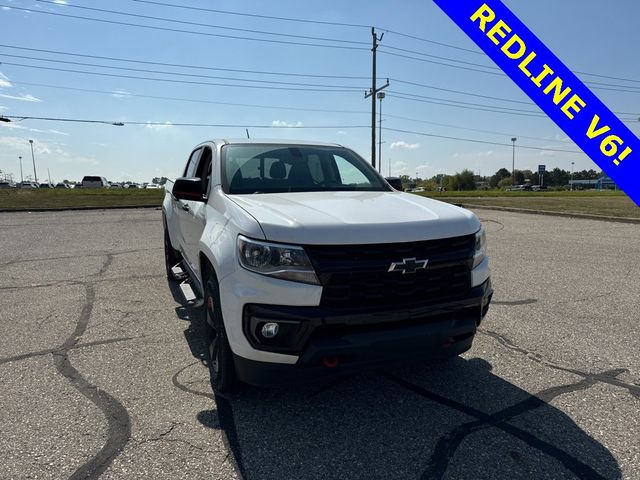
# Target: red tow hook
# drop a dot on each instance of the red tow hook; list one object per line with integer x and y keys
{"x": 330, "y": 362}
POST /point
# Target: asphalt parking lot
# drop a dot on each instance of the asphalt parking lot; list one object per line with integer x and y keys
{"x": 101, "y": 370}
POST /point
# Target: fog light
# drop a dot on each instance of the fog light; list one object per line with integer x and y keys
{"x": 269, "y": 330}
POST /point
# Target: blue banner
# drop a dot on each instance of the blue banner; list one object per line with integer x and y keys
{"x": 553, "y": 87}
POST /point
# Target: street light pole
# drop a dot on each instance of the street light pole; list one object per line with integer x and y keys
{"x": 380, "y": 95}
{"x": 513, "y": 162}
{"x": 33, "y": 159}
{"x": 572, "y": 175}
{"x": 21, "y": 179}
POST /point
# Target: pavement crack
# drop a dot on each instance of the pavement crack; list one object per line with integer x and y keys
{"x": 527, "y": 301}
{"x": 58, "y": 351}
{"x": 118, "y": 421}
{"x": 448, "y": 444}
{"x": 609, "y": 377}
{"x": 184, "y": 388}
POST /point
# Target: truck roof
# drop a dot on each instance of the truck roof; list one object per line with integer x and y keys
{"x": 271, "y": 141}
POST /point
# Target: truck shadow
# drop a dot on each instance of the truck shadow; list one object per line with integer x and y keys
{"x": 454, "y": 419}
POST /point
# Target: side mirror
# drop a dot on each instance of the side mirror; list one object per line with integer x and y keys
{"x": 189, "y": 189}
{"x": 395, "y": 182}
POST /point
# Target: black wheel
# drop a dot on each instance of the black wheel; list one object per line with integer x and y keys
{"x": 171, "y": 256}
{"x": 221, "y": 368}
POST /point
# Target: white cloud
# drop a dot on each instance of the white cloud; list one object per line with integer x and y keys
{"x": 341, "y": 132}
{"x": 17, "y": 126}
{"x": 57, "y": 132}
{"x": 5, "y": 8}
{"x": 158, "y": 126}
{"x": 61, "y": 2}
{"x": 120, "y": 93}
{"x": 405, "y": 146}
{"x": 282, "y": 123}
{"x": 4, "y": 81}
{"x": 22, "y": 97}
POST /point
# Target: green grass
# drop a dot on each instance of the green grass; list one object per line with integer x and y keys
{"x": 20, "y": 199}
{"x": 606, "y": 203}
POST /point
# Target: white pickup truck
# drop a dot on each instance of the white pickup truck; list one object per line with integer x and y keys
{"x": 308, "y": 263}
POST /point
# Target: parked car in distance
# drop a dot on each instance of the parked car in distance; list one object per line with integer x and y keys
{"x": 4, "y": 184}
{"x": 153, "y": 186}
{"x": 62, "y": 185}
{"x": 46, "y": 185}
{"x": 94, "y": 182}
{"x": 519, "y": 188}
{"x": 537, "y": 188}
{"x": 115, "y": 185}
{"x": 29, "y": 185}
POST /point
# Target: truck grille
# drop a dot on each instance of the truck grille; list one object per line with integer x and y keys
{"x": 355, "y": 276}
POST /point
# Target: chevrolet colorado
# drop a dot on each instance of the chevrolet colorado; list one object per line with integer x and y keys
{"x": 307, "y": 262}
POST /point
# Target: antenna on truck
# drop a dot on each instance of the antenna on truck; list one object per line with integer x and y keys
{"x": 247, "y": 130}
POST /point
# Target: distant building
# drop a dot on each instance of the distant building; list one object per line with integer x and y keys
{"x": 583, "y": 184}
{"x": 602, "y": 183}
{"x": 605, "y": 182}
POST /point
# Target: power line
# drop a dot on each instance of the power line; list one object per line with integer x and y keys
{"x": 177, "y": 30}
{"x": 482, "y": 105}
{"x": 179, "y": 74}
{"x": 495, "y": 70}
{"x": 499, "y": 74}
{"x": 202, "y": 67}
{"x": 189, "y": 82}
{"x": 269, "y": 17}
{"x": 182, "y": 65}
{"x": 492, "y": 132}
{"x": 227, "y": 125}
{"x": 356, "y": 25}
{"x": 192, "y": 100}
{"x": 178, "y": 124}
{"x": 528, "y": 147}
{"x": 206, "y": 25}
{"x": 414, "y": 95}
{"x": 489, "y": 97}
{"x": 522, "y": 113}
{"x": 422, "y": 54}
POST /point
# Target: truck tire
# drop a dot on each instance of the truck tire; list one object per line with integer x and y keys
{"x": 221, "y": 367}
{"x": 171, "y": 256}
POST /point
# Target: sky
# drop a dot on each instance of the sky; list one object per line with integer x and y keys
{"x": 240, "y": 68}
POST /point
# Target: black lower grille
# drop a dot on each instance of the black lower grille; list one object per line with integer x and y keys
{"x": 354, "y": 276}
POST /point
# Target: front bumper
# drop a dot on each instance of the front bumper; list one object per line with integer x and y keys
{"x": 334, "y": 343}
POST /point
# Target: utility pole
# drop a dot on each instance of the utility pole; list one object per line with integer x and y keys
{"x": 21, "y": 179}
{"x": 33, "y": 159}
{"x": 380, "y": 95}
{"x": 372, "y": 93}
{"x": 513, "y": 162}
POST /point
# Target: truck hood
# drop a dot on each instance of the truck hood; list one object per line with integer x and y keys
{"x": 330, "y": 218}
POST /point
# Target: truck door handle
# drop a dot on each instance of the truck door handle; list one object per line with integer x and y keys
{"x": 185, "y": 207}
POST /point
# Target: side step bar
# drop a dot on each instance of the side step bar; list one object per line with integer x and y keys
{"x": 191, "y": 298}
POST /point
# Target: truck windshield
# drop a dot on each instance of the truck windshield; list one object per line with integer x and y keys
{"x": 254, "y": 168}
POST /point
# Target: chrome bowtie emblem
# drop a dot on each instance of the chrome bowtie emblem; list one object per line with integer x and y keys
{"x": 408, "y": 265}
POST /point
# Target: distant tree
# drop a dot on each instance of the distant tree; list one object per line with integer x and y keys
{"x": 499, "y": 175}
{"x": 519, "y": 177}
{"x": 464, "y": 180}
{"x": 505, "y": 182}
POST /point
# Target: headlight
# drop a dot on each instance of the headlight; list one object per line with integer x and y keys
{"x": 289, "y": 262}
{"x": 481, "y": 241}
